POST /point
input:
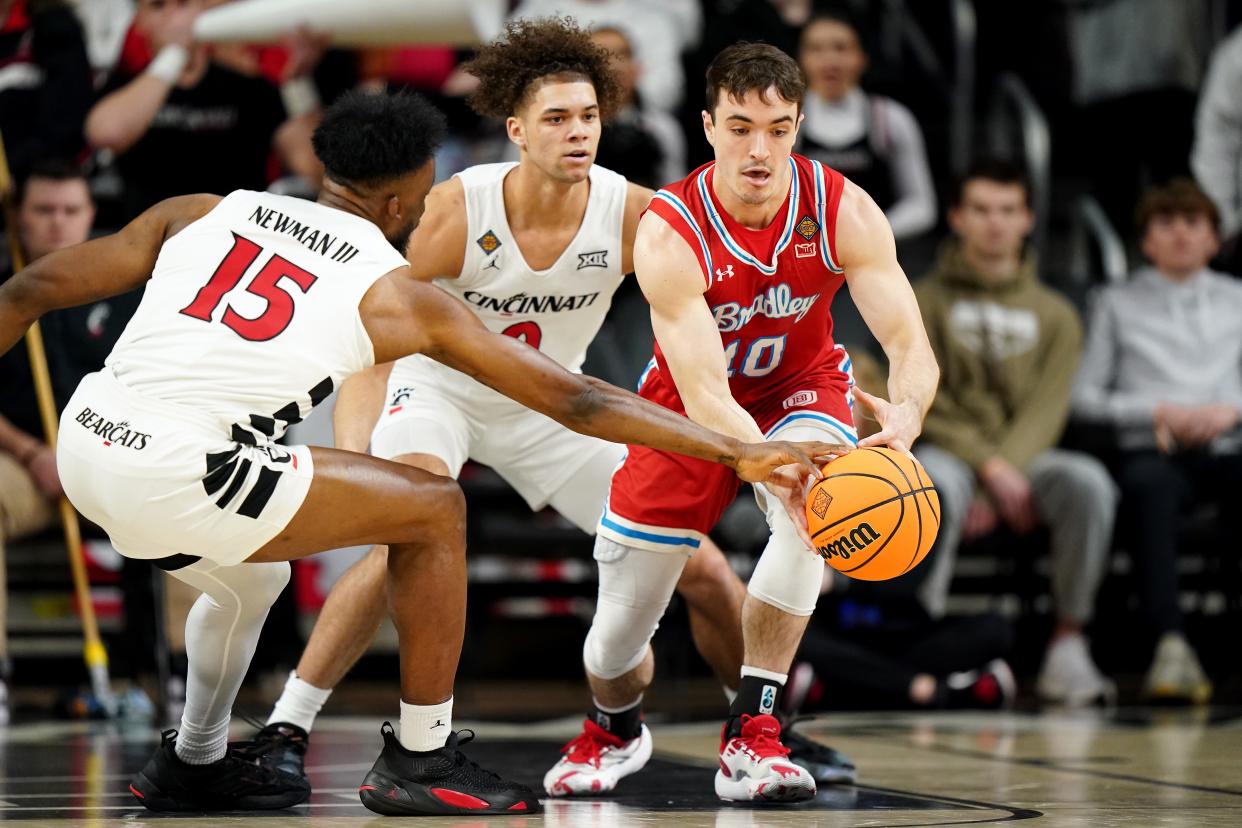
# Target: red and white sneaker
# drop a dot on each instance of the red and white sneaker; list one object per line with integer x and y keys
{"x": 754, "y": 766}
{"x": 595, "y": 760}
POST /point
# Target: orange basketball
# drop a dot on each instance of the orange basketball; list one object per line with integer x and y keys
{"x": 874, "y": 515}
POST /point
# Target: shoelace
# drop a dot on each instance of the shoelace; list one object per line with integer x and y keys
{"x": 761, "y": 744}
{"x": 587, "y": 746}
{"x": 462, "y": 761}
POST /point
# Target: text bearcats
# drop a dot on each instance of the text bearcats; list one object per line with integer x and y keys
{"x": 316, "y": 241}
{"x": 119, "y": 433}
{"x": 778, "y": 302}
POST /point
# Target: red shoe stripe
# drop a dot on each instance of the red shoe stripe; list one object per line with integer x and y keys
{"x": 459, "y": 799}
{"x": 136, "y": 792}
{"x": 725, "y": 769}
{"x": 362, "y": 788}
{"x": 785, "y": 770}
{"x": 521, "y": 806}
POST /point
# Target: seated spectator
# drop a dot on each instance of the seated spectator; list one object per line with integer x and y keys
{"x": 642, "y": 143}
{"x": 54, "y": 211}
{"x": 1008, "y": 347}
{"x": 872, "y": 140}
{"x": 889, "y": 653}
{"x": 187, "y": 123}
{"x": 45, "y": 89}
{"x": 1163, "y": 367}
{"x": 1217, "y": 154}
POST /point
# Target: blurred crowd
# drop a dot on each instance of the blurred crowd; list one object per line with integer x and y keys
{"x": 1064, "y": 427}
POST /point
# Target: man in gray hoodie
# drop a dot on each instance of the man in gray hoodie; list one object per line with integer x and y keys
{"x": 1163, "y": 367}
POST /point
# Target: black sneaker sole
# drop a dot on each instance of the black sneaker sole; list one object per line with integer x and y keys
{"x": 152, "y": 798}
{"x": 401, "y": 797}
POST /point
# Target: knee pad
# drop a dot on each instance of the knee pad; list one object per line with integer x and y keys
{"x": 788, "y": 576}
{"x": 634, "y": 589}
{"x": 248, "y": 587}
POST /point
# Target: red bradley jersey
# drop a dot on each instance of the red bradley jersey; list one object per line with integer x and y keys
{"x": 770, "y": 292}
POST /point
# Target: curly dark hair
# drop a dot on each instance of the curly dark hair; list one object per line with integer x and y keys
{"x": 367, "y": 139}
{"x": 530, "y": 50}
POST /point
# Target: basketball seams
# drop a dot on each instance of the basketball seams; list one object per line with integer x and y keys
{"x": 918, "y": 471}
{"x": 892, "y": 534}
{"x": 918, "y": 546}
{"x": 861, "y": 512}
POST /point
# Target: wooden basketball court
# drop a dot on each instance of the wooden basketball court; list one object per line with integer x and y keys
{"x": 1133, "y": 767}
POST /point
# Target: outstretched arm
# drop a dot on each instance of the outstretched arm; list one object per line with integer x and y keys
{"x": 95, "y": 269}
{"x": 886, "y": 302}
{"x": 404, "y": 316}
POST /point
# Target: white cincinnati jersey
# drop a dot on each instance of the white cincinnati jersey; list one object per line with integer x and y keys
{"x": 251, "y": 314}
{"x": 558, "y": 310}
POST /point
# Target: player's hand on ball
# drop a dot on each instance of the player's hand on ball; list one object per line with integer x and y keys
{"x": 798, "y": 464}
{"x": 900, "y": 424}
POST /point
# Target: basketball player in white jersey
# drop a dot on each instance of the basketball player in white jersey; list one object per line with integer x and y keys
{"x": 536, "y": 250}
{"x": 255, "y": 307}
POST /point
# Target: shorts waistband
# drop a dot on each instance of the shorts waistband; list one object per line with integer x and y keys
{"x": 161, "y": 407}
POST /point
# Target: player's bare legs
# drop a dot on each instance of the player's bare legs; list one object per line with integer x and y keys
{"x": 713, "y": 594}
{"x": 353, "y": 611}
{"x": 772, "y": 635}
{"x": 356, "y": 499}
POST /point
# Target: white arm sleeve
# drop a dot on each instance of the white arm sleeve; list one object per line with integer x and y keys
{"x": 1217, "y": 154}
{"x": 914, "y": 211}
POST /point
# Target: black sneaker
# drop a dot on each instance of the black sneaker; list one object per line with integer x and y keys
{"x": 438, "y": 782}
{"x": 235, "y": 783}
{"x": 828, "y": 766}
{"x": 281, "y": 745}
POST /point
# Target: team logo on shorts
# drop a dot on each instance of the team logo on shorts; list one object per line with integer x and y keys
{"x": 398, "y": 400}
{"x": 800, "y": 399}
{"x": 488, "y": 242}
{"x": 596, "y": 258}
{"x": 119, "y": 433}
{"x": 808, "y": 227}
{"x": 821, "y": 503}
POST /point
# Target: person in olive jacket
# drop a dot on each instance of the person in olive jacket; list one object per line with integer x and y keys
{"x": 1008, "y": 348}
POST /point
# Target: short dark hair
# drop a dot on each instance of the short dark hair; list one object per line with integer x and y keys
{"x": 834, "y": 13}
{"x": 366, "y": 139}
{"x": 529, "y": 51}
{"x": 1179, "y": 197}
{"x": 52, "y": 169}
{"x": 750, "y": 67}
{"x": 991, "y": 169}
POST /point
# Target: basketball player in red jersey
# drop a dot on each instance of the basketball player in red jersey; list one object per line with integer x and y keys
{"x": 740, "y": 262}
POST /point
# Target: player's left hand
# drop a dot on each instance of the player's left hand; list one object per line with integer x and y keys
{"x": 800, "y": 465}
{"x": 900, "y": 424}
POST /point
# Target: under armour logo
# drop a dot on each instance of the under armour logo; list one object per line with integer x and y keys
{"x": 437, "y": 724}
{"x": 721, "y": 275}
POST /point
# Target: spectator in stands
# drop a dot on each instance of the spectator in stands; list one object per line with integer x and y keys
{"x": 873, "y": 140}
{"x": 660, "y": 31}
{"x": 1217, "y": 155}
{"x": 187, "y": 123}
{"x": 54, "y": 212}
{"x": 1163, "y": 366}
{"x": 45, "y": 88}
{"x": 886, "y": 651}
{"x": 640, "y": 142}
{"x": 1008, "y": 347}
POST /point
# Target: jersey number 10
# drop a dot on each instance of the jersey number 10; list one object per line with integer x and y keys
{"x": 265, "y": 285}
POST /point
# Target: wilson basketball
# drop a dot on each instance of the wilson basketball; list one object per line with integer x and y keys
{"x": 874, "y": 515}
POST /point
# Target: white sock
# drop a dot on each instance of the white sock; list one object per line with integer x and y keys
{"x": 425, "y": 726}
{"x": 202, "y": 745}
{"x": 779, "y": 678}
{"x": 299, "y": 703}
{"x": 730, "y": 693}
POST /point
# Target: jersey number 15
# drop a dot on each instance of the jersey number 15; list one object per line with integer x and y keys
{"x": 265, "y": 285}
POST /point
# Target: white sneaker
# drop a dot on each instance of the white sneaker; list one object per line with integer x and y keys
{"x": 1069, "y": 677}
{"x": 754, "y": 766}
{"x": 595, "y": 761}
{"x": 1175, "y": 674}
